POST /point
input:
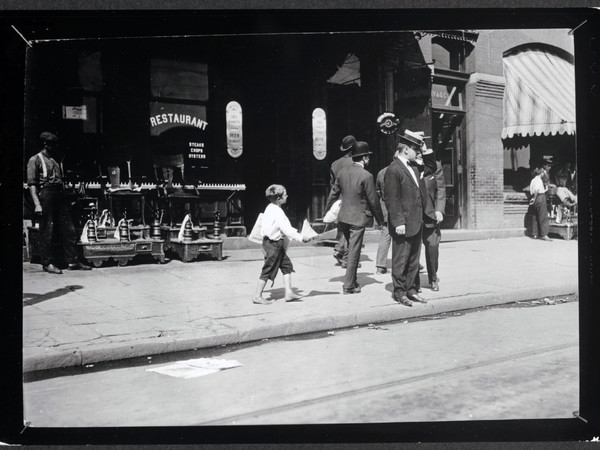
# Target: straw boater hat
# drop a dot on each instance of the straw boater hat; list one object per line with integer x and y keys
{"x": 411, "y": 138}
{"x": 347, "y": 143}
{"x": 361, "y": 148}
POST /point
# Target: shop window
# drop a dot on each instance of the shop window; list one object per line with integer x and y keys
{"x": 517, "y": 173}
{"x": 448, "y": 54}
{"x": 181, "y": 80}
{"x": 446, "y": 96}
{"x": 348, "y": 73}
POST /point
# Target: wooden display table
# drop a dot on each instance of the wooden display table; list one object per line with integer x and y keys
{"x": 122, "y": 251}
{"x": 198, "y": 245}
{"x": 565, "y": 230}
{"x": 190, "y": 250}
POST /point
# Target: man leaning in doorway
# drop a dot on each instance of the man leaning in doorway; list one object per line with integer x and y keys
{"x": 340, "y": 251}
{"x": 405, "y": 204}
{"x": 356, "y": 187}
{"x": 52, "y": 208}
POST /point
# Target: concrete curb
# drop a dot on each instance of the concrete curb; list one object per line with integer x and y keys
{"x": 316, "y": 323}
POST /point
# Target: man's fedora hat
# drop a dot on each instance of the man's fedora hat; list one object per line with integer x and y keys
{"x": 347, "y": 143}
{"x": 361, "y": 148}
{"x": 411, "y": 138}
{"x": 46, "y": 136}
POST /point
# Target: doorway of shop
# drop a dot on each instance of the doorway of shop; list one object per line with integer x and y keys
{"x": 448, "y": 132}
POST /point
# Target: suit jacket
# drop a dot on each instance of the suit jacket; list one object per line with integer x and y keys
{"x": 380, "y": 188}
{"x": 435, "y": 194}
{"x": 337, "y": 166}
{"x": 403, "y": 198}
{"x": 360, "y": 203}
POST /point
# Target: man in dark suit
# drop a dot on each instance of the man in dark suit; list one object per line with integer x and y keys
{"x": 340, "y": 251}
{"x": 405, "y": 205}
{"x": 360, "y": 203}
{"x": 435, "y": 203}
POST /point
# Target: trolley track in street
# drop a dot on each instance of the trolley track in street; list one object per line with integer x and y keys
{"x": 381, "y": 387}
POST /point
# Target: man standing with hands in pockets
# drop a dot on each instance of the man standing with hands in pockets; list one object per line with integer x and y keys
{"x": 405, "y": 204}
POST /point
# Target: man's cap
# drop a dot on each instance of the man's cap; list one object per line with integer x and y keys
{"x": 547, "y": 161}
{"x": 347, "y": 143}
{"x": 411, "y": 138}
{"x": 46, "y": 136}
{"x": 361, "y": 148}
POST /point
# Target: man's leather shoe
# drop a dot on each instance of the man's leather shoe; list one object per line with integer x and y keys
{"x": 404, "y": 300}
{"x": 339, "y": 258}
{"x": 416, "y": 298}
{"x": 381, "y": 270}
{"x": 51, "y": 268}
{"x": 79, "y": 266}
{"x": 434, "y": 286}
{"x": 353, "y": 290}
{"x": 421, "y": 268}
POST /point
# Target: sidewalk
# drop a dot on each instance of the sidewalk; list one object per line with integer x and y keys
{"x": 113, "y": 312}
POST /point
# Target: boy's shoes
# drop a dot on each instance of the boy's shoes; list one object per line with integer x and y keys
{"x": 51, "y": 268}
{"x": 261, "y": 301}
{"x": 293, "y": 298}
{"x": 79, "y": 266}
{"x": 381, "y": 270}
{"x": 435, "y": 286}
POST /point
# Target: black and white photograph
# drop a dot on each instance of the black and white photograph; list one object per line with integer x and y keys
{"x": 365, "y": 219}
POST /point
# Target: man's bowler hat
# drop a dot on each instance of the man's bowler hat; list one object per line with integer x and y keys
{"x": 347, "y": 143}
{"x": 361, "y": 148}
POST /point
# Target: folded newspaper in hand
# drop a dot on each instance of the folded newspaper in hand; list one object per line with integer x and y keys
{"x": 332, "y": 214}
{"x": 307, "y": 231}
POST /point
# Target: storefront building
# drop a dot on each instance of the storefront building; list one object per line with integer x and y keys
{"x": 256, "y": 110}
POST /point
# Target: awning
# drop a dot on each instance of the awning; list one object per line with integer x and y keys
{"x": 539, "y": 97}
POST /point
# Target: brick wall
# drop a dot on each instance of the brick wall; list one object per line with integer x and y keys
{"x": 484, "y": 155}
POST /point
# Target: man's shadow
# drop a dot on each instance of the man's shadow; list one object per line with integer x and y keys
{"x": 30, "y": 299}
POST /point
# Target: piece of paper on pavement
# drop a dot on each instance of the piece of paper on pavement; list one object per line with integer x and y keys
{"x": 193, "y": 368}
{"x": 307, "y": 230}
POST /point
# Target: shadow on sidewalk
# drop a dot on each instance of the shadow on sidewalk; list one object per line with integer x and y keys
{"x": 30, "y": 299}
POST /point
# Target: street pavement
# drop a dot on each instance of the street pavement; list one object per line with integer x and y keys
{"x": 144, "y": 308}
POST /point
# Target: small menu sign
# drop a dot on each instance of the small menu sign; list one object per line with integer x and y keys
{"x": 319, "y": 128}
{"x": 233, "y": 119}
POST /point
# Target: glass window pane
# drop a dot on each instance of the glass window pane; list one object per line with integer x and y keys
{"x": 179, "y": 80}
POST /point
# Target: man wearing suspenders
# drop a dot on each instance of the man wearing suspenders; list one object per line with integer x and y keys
{"x": 45, "y": 181}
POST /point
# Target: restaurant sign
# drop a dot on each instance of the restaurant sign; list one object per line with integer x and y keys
{"x": 233, "y": 121}
{"x": 319, "y": 129}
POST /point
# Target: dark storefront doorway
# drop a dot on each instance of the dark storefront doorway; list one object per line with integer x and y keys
{"x": 448, "y": 132}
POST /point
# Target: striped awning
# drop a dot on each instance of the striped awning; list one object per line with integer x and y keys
{"x": 539, "y": 96}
